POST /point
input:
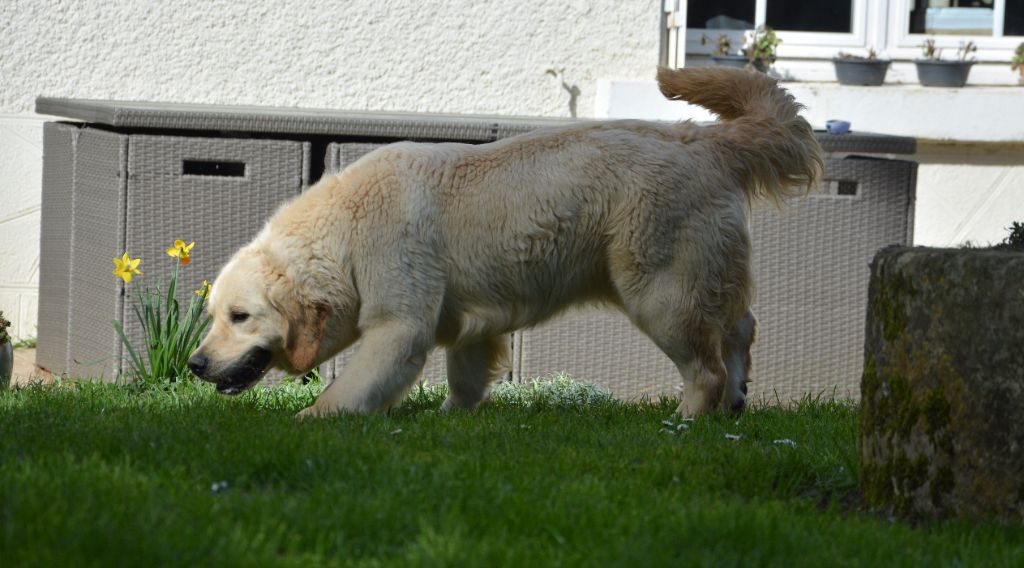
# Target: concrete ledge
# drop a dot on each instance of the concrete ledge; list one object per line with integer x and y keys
{"x": 971, "y": 113}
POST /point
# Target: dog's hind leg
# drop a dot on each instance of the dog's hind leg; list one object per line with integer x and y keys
{"x": 471, "y": 370}
{"x": 736, "y": 350}
{"x": 699, "y": 360}
{"x": 383, "y": 368}
{"x": 678, "y": 325}
{"x": 696, "y": 351}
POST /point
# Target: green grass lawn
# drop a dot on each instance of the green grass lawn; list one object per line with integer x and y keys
{"x": 558, "y": 475}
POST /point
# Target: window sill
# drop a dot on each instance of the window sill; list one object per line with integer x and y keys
{"x": 970, "y": 114}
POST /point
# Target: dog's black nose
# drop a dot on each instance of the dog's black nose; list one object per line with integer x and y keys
{"x": 198, "y": 363}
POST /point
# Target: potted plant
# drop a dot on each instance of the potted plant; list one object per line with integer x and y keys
{"x": 1017, "y": 62}
{"x": 721, "y": 55}
{"x": 6, "y": 352}
{"x": 758, "y": 51}
{"x": 761, "y": 47}
{"x": 933, "y": 71}
{"x": 856, "y": 70}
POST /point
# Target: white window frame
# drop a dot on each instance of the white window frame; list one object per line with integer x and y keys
{"x": 811, "y": 45}
{"x": 905, "y": 45}
{"x": 878, "y": 24}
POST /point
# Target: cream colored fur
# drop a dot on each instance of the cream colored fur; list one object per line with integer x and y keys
{"x": 417, "y": 245}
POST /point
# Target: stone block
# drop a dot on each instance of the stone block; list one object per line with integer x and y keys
{"x": 942, "y": 395}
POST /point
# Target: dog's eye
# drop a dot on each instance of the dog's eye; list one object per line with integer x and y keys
{"x": 239, "y": 317}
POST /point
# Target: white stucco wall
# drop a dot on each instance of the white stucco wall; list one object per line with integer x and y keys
{"x": 461, "y": 56}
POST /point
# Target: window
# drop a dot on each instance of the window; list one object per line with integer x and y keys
{"x": 811, "y": 16}
{"x": 793, "y": 15}
{"x": 808, "y": 28}
{"x": 966, "y": 17}
{"x": 818, "y": 29}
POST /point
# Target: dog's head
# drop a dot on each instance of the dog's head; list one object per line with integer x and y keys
{"x": 260, "y": 320}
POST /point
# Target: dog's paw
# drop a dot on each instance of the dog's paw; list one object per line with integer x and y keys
{"x": 312, "y": 412}
{"x": 687, "y": 409}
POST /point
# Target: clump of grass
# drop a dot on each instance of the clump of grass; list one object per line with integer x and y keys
{"x": 1015, "y": 239}
{"x": 26, "y": 343}
{"x": 558, "y": 391}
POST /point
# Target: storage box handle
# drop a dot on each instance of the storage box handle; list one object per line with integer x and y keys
{"x": 217, "y": 168}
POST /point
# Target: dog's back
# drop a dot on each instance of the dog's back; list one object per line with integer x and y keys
{"x": 583, "y": 212}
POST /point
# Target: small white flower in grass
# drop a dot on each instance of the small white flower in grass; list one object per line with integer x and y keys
{"x": 785, "y": 442}
{"x": 734, "y": 437}
{"x": 668, "y": 423}
{"x": 682, "y": 426}
{"x": 219, "y": 486}
{"x": 396, "y": 432}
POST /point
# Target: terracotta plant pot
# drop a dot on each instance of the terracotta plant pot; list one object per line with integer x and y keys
{"x": 868, "y": 72}
{"x": 937, "y": 73}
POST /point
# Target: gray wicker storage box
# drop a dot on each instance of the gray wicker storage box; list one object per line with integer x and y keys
{"x": 811, "y": 262}
{"x": 55, "y": 245}
{"x": 123, "y": 188}
{"x": 138, "y": 193}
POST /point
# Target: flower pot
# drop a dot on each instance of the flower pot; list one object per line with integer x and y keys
{"x": 740, "y": 61}
{"x": 869, "y": 72}
{"x": 943, "y": 73}
{"x": 6, "y": 364}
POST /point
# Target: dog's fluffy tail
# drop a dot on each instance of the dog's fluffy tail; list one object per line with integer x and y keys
{"x": 774, "y": 149}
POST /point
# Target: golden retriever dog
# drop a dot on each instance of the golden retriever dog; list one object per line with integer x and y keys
{"x": 456, "y": 245}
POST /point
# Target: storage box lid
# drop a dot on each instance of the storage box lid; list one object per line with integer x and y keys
{"x": 362, "y": 124}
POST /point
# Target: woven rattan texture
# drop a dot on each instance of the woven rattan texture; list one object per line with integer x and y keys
{"x": 55, "y": 245}
{"x": 124, "y": 114}
{"x": 395, "y": 125}
{"x": 219, "y": 213}
{"x": 811, "y": 267}
{"x": 866, "y": 143}
{"x": 97, "y": 237}
{"x": 600, "y": 347}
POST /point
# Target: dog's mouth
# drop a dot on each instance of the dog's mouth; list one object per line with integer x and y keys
{"x": 245, "y": 373}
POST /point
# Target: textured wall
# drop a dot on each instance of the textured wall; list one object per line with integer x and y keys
{"x": 461, "y": 56}
{"x": 451, "y": 56}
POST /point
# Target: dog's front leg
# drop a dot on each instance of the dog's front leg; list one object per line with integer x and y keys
{"x": 380, "y": 372}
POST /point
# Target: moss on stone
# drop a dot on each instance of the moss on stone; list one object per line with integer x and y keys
{"x": 942, "y": 484}
{"x": 886, "y": 305}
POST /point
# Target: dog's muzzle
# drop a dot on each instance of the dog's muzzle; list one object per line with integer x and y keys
{"x": 238, "y": 377}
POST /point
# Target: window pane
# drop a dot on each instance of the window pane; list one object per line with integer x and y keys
{"x": 1013, "y": 20}
{"x": 953, "y": 17}
{"x": 720, "y": 15}
{"x": 810, "y": 15}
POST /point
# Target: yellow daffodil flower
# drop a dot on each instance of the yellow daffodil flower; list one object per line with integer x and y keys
{"x": 125, "y": 267}
{"x": 204, "y": 290}
{"x": 181, "y": 251}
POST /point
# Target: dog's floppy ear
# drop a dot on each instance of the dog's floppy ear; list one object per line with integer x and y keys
{"x": 305, "y": 323}
{"x": 305, "y": 332}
